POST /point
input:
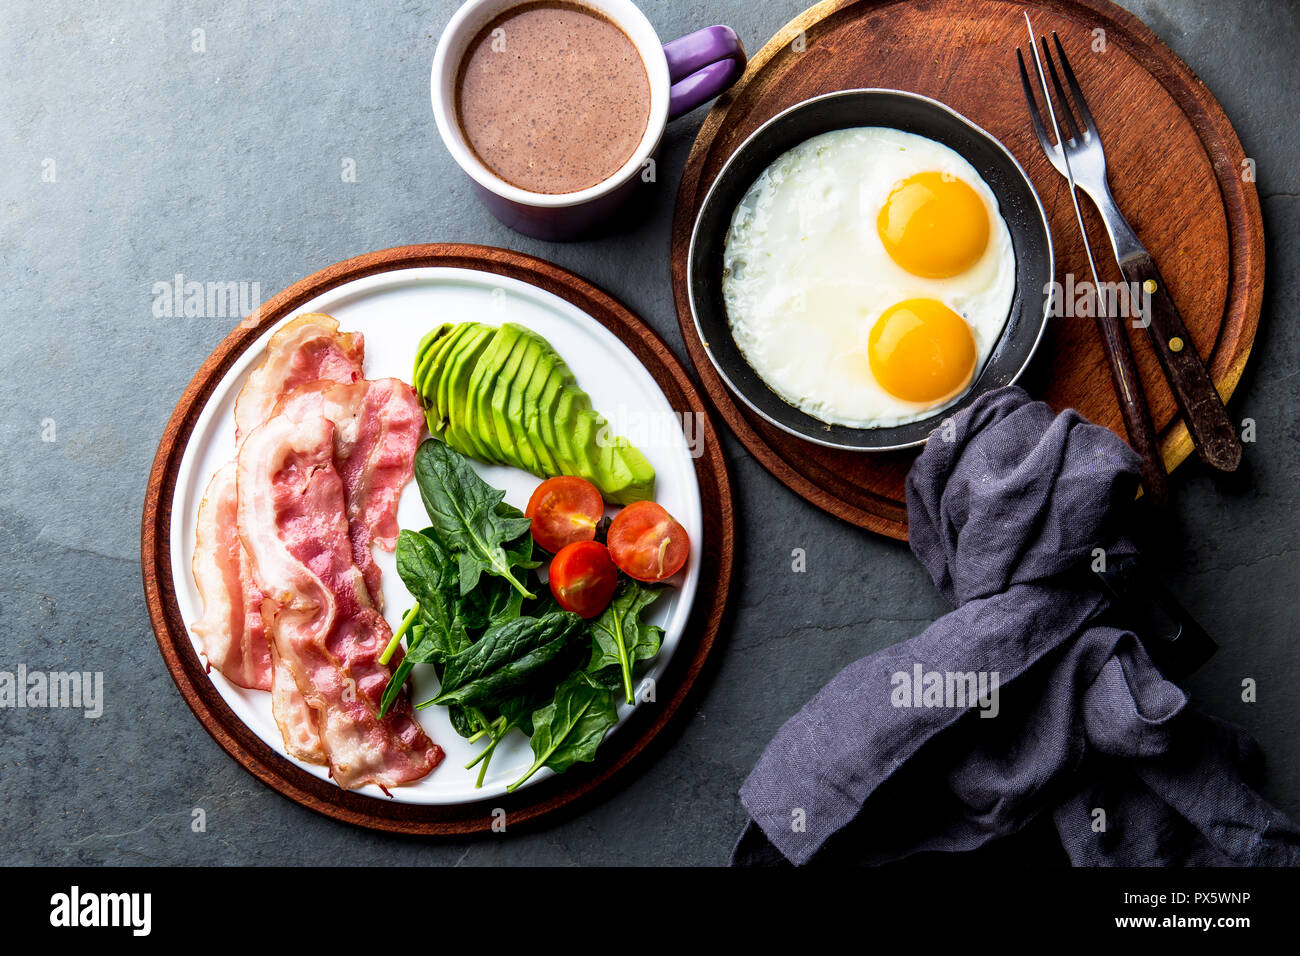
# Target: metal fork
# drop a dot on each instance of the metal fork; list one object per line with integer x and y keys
{"x": 1124, "y": 376}
{"x": 1212, "y": 431}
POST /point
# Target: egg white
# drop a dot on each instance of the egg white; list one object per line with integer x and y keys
{"x": 805, "y": 275}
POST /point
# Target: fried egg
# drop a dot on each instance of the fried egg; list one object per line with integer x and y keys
{"x": 867, "y": 275}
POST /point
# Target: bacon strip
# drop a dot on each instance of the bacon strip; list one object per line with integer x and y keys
{"x": 231, "y": 629}
{"x": 326, "y": 630}
{"x": 293, "y": 715}
{"x": 311, "y": 370}
{"x": 308, "y": 349}
{"x": 381, "y": 458}
{"x": 377, "y": 426}
{"x": 232, "y": 632}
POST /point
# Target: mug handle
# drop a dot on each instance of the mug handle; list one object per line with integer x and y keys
{"x": 701, "y": 65}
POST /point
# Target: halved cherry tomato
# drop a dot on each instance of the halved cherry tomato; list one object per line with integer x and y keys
{"x": 647, "y": 543}
{"x": 583, "y": 578}
{"x": 564, "y": 510}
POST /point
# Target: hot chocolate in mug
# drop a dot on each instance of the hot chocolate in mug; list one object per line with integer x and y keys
{"x": 681, "y": 75}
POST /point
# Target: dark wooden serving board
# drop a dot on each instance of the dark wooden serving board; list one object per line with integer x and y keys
{"x": 565, "y": 790}
{"x": 1176, "y": 169}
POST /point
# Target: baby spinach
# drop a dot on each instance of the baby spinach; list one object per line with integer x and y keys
{"x": 463, "y": 721}
{"x": 507, "y": 658}
{"x": 506, "y": 655}
{"x": 570, "y": 728}
{"x": 494, "y": 600}
{"x": 428, "y": 569}
{"x": 429, "y": 572}
{"x": 516, "y": 712}
{"x": 620, "y": 639}
{"x": 470, "y": 516}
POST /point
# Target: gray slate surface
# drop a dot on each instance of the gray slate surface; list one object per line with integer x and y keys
{"x": 226, "y": 166}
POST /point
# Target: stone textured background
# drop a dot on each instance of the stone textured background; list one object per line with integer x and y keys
{"x": 225, "y": 166}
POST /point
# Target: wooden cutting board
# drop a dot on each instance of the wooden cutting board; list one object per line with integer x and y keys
{"x": 1176, "y": 168}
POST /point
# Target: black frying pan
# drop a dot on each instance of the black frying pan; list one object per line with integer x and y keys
{"x": 1030, "y": 239}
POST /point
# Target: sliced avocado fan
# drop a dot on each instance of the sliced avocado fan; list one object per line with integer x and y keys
{"x": 504, "y": 395}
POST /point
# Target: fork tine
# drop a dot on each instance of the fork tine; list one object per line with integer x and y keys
{"x": 1084, "y": 112}
{"x": 1034, "y": 115}
{"x": 1075, "y": 134}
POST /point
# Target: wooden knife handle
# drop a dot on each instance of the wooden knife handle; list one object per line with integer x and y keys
{"x": 1213, "y": 433}
{"x": 1133, "y": 406}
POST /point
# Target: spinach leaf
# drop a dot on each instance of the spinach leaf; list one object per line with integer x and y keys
{"x": 428, "y": 569}
{"x": 518, "y": 711}
{"x": 509, "y": 657}
{"x": 429, "y": 572}
{"x": 494, "y": 600}
{"x": 570, "y": 728}
{"x": 462, "y": 720}
{"x": 520, "y": 552}
{"x": 620, "y": 639}
{"x": 467, "y": 514}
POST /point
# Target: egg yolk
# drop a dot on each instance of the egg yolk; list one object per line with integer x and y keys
{"x": 921, "y": 351}
{"x": 934, "y": 225}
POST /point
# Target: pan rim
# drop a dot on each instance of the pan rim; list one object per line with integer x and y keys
{"x": 706, "y": 204}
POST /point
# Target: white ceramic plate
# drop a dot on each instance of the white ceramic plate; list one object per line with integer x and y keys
{"x": 393, "y": 311}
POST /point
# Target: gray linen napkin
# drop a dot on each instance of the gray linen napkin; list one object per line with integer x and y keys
{"x": 1007, "y": 506}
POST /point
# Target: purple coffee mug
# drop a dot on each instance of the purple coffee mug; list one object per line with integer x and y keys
{"x": 683, "y": 74}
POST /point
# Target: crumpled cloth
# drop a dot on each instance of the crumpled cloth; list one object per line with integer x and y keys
{"x": 1006, "y": 507}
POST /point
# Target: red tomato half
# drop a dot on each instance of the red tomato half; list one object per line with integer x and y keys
{"x": 583, "y": 578}
{"x": 564, "y": 510}
{"x": 647, "y": 543}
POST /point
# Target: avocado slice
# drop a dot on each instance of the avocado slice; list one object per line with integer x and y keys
{"x": 613, "y": 472}
{"x": 459, "y": 357}
{"x": 427, "y": 364}
{"x": 437, "y": 376}
{"x": 518, "y": 452}
{"x": 572, "y": 400}
{"x": 518, "y": 416}
{"x": 426, "y": 381}
{"x": 429, "y": 337}
{"x": 547, "y": 412}
{"x": 478, "y": 399}
{"x": 426, "y": 349}
{"x": 609, "y": 462}
{"x": 635, "y": 479}
{"x": 433, "y": 376}
{"x": 463, "y": 364}
{"x": 524, "y": 399}
{"x": 505, "y": 395}
{"x": 583, "y": 440}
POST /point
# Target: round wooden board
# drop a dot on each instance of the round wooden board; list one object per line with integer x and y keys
{"x": 531, "y": 803}
{"x": 1175, "y": 168}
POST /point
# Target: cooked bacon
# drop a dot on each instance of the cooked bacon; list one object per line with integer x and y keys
{"x": 231, "y": 629}
{"x": 326, "y": 630}
{"x": 313, "y": 372}
{"x": 293, "y": 715}
{"x": 308, "y": 349}
{"x": 381, "y": 458}
{"x": 377, "y": 426}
